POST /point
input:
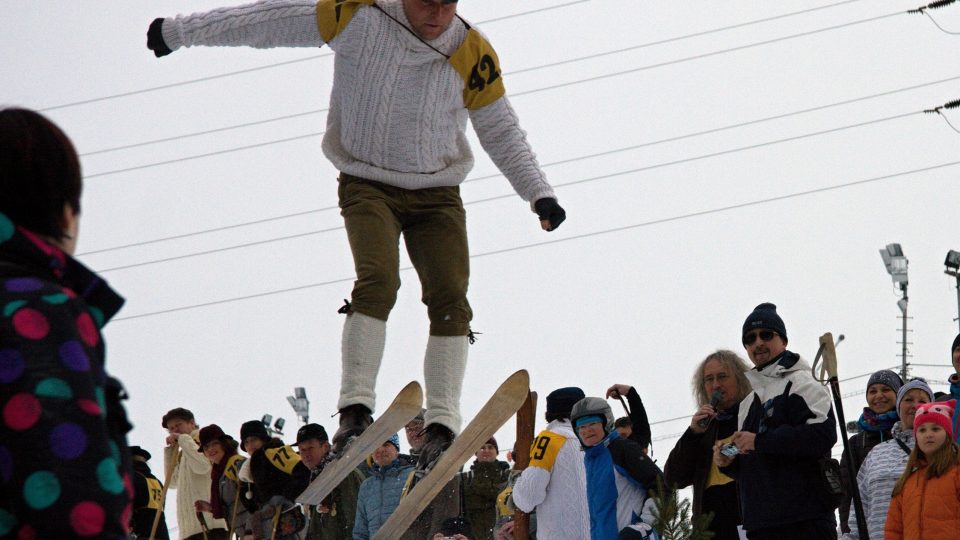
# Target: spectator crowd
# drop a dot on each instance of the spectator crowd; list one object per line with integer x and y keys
{"x": 757, "y": 452}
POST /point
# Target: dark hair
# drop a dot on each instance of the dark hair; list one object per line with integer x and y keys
{"x": 39, "y": 172}
{"x": 179, "y": 414}
{"x": 623, "y": 421}
{"x": 551, "y": 416}
{"x": 456, "y": 525}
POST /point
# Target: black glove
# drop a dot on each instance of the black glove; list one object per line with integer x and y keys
{"x": 548, "y": 209}
{"x": 155, "y": 39}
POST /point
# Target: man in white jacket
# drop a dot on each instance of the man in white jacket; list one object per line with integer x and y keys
{"x": 408, "y": 74}
{"x": 190, "y": 476}
{"x": 555, "y": 481}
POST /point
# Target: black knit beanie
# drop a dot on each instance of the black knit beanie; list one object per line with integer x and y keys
{"x": 765, "y": 316}
{"x": 561, "y": 400}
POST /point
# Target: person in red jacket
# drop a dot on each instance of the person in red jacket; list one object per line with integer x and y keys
{"x": 926, "y": 498}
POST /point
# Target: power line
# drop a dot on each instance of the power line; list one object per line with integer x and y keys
{"x": 205, "y": 132}
{"x": 554, "y": 163}
{"x": 206, "y": 155}
{"x": 690, "y": 215}
{"x": 513, "y": 94}
{"x": 316, "y": 134}
{"x": 524, "y": 70}
{"x": 706, "y": 55}
{"x": 516, "y": 94}
{"x": 688, "y": 416}
{"x": 681, "y": 38}
{"x": 498, "y": 197}
{"x": 267, "y": 66}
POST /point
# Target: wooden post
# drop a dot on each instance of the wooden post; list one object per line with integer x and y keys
{"x": 526, "y": 419}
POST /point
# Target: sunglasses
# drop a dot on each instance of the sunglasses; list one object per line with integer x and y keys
{"x": 764, "y": 335}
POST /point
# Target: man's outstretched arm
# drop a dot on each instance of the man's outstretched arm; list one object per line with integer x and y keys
{"x": 265, "y": 24}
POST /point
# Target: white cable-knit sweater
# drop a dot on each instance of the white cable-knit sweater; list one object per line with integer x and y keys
{"x": 397, "y": 112}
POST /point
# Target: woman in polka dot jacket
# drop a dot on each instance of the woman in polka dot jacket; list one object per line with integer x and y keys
{"x": 64, "y": 467}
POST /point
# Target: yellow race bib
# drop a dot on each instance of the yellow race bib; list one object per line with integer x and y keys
{"x": 283, "y": 458}
{"x": 334, "y": 15}
{"x": 546, "y": 446}
{"x": 154, "y": 491}
{"x": 478, "y": 66}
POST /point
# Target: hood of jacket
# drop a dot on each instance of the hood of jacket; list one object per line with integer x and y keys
{"x": 788, "y": 362}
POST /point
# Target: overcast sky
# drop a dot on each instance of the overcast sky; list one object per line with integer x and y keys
{"x": 710, "y": 156}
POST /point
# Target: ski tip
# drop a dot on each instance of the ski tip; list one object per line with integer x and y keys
{"x": 413, "y": 386}
{"x": 412, "y": 392}
{"x": 521, "y": 375}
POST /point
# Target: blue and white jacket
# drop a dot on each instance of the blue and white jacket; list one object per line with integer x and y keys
{"x": 792, "y": 417}
{"x": 619, "y": 479}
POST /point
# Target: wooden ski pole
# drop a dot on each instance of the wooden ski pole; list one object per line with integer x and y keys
{"x": 276, "y": 522}
{"x": 203, "y": 524}
{"x": 526, "y": 418}
{"x": 163, "y": 495}
{"x": 236, "y": 504}
{"x": 828, "y": 349}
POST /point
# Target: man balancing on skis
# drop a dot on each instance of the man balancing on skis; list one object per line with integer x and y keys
{"x": 407, "y": 76}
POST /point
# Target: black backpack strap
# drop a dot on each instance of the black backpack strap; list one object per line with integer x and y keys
{"x": 904, "y": 447}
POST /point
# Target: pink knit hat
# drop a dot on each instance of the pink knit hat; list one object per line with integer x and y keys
{"x": 938, "y": 412}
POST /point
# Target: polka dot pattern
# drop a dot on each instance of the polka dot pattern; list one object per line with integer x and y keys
{"x": 87, "y": 518}
{"x": 12, "y": 307}
{"x": 90, "y": 407}
{"x": 68, "y": 441}
{"x": 7, "y": 522}
{"x": 24, "y": 285}
{"x": 21, "y": 412}
{"x": 11, "y": 365}
{"x": 6, "y": 228}
{"x": 31, "y": 324}
{"x": 54, "y": 388}
{"x": 41, "y": 490}
{"x": 101, "y": 401}
{"x": 127, "y": 512}
{"x": 109, "y": 476}
{"x": 97, "y": 315}
{"x": 56, "y": 299}
{"x": 74, "y": 356}
{"x": 115, "y": 451}
{"x": 88, "y": 330}
{"x": 63, "y": 474}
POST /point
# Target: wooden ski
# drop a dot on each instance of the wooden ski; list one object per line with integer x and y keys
{"x": 498, "y": 409}
{"x": 404, "y": 408}
{"x": 526, "y": 419}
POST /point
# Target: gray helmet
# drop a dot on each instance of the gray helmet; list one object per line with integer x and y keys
{"x": 593, "y": 406}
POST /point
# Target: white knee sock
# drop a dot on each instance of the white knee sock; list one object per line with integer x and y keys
{"x": 443, "y": 367}
{"x": 362, "y": 351}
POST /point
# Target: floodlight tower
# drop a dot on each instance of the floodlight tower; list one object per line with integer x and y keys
{"x": 300, "y": 404}
{"x": 276, "y": 428}
{"x": 953, "y": 269}
{"x": 896, "y": 264}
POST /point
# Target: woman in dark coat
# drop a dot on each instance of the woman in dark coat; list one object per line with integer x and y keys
{"x": 64, "y": 466}
{"x": 875, "y": 424}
